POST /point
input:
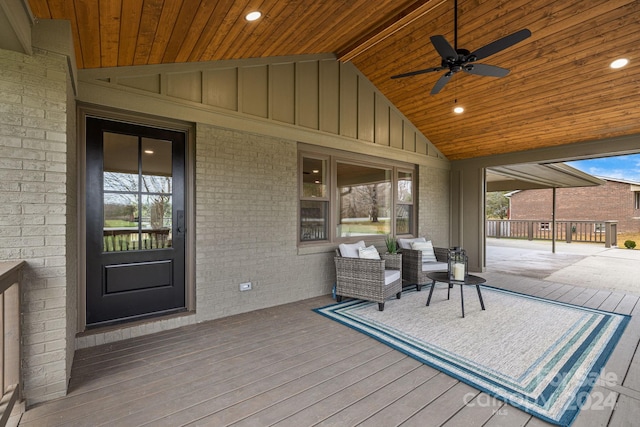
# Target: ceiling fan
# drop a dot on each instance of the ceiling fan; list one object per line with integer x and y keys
{"x": 454, "y": 59}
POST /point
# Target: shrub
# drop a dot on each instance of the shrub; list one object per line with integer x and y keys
{"x": 629, "y": 244}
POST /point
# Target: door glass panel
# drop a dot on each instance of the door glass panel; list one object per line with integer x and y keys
{"x": 157, "y": 221}
{"x": 120, "y": 162}
{"x": 120, "y": 221}
{"x": 137, "y": 193}
{"x": 156, "y": 166}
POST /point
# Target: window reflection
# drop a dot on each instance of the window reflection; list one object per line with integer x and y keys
{"x": 137, "y": 193}
{"x": 364, "y": 195}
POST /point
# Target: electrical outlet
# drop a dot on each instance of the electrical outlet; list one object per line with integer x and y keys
{"x": 245, "y": 286}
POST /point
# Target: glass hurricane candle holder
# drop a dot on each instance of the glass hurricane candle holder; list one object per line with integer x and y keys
{"x": 457, "y": 264}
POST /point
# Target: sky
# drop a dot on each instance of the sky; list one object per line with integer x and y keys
{"x": 620, "y": 167}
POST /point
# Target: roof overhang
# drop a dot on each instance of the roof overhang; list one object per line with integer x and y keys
{"x": 528, "y": 176}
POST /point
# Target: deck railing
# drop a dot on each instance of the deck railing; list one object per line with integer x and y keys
{"x": 569, "y": 231}
{"x": 10, "y": 274}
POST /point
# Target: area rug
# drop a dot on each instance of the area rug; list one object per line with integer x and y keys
{"x": 539, "y": 355}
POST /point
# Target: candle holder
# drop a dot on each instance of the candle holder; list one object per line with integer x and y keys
{"x": 457, "y": 264}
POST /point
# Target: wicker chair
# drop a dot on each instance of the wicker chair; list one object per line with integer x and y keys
{"x": 365, "y": 278}
{"x": 414, "y": 271}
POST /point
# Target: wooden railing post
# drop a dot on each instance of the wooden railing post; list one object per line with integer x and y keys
{"x": 611, "y": 233}
{"x": 10, "y": 275}
{"x": 530, "y": 230}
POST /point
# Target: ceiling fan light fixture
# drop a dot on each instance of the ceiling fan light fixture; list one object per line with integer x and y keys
{"x": 458, "y": 109}
{"x": 619, "y": 63}
{"x": 253, "y": 16}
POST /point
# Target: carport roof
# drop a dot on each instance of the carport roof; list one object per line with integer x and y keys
{"x": 527, "y": 176}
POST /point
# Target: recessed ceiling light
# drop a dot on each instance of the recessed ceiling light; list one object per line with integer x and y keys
{"x": 619, "y": 63}
{"x": 252, "y": 16}
{"x": 316, "y": 171}
{"x": 148, "y": 151}
{"x": 458, "y": 110}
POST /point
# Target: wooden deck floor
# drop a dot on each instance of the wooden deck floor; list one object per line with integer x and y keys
{"x": 288, "y": 366}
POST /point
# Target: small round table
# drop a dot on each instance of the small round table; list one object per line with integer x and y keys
{"x": 443, "y": 276}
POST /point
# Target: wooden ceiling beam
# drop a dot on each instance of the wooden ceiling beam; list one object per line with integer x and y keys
{"x": 388, "y": 28}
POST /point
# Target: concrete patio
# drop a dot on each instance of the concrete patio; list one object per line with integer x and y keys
{"x": 588, "y": 265}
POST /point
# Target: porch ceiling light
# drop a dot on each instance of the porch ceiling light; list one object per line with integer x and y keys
{"x": 619, "y": 63}
{"x": 252, "y": 16}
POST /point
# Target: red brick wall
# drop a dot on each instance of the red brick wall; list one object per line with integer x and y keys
{"x": 611, "y": 201}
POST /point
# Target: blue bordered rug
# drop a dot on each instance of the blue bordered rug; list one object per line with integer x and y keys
{"x": 539, "y": 355}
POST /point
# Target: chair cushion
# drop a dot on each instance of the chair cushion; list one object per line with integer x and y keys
{"x": 435, "y": 266}
{"x": 406, "y": 243}
{"x": 428, "y": 255}
{"x": 391, "y": 276}
{"x": 370, "y": 252}
{"x": 350, "y": 250}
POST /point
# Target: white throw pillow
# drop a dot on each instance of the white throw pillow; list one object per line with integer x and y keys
{"x": 350, "y": 250}
{"x": 370, "y": 252}
{"x": 406, "y": 243}
{"x": 427, "y": 250}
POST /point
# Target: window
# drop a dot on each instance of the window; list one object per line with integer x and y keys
{"x": 344, "y": 197}
{"x": 404, "y": 203}
{"x": 314, "y": 200}
{"x": 637, "y": 199}
{"x": 545, "y": 226}
{"x": 364, "y": 200}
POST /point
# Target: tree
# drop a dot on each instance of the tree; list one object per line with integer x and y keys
{"x": 497, "y": 205}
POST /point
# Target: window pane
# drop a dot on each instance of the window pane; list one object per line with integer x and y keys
{"x": 313, "y": 220}
{"x": 314, "y": 178}
{"x": 364, "y": 200}
{"x": 404, "y": 219}
{"x": 120, "y": 222}
{"x": 120, "y": 162}
{"x": 156, "y": 212}
{"x": 156, "y": 166}
{"x": 405, "y": 187}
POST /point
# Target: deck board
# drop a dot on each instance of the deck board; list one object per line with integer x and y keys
{"x": 288, "y": 366}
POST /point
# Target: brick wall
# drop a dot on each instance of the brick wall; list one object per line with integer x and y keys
{"x": 612, "y": 201}
{"x": 433, "y": 208}
{"x": 246, "y": 216}
{"x": 37, "y": 218}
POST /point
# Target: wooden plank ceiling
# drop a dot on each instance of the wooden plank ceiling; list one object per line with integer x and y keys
{"x": 560, "y": 89}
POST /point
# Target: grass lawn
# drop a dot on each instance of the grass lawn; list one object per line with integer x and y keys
{"x": 629, "y": 236}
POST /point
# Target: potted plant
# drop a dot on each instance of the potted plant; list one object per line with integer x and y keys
{"x": 392, "y": 247}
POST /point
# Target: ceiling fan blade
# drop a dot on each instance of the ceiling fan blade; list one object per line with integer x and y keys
{"x": 441, "y": 82}
{"x": 500, "y": 44}
{"x": 414, "y": 73}
{"x": 443, "y": 47}
{"x": 486, "y": 70}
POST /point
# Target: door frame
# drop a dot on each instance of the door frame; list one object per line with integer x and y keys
{"x": 86, "y": 110}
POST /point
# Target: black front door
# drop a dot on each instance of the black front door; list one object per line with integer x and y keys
{"x": 135, "y": 221}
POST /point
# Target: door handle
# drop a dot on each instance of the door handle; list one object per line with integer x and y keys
{"x": 180, "y": 227}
